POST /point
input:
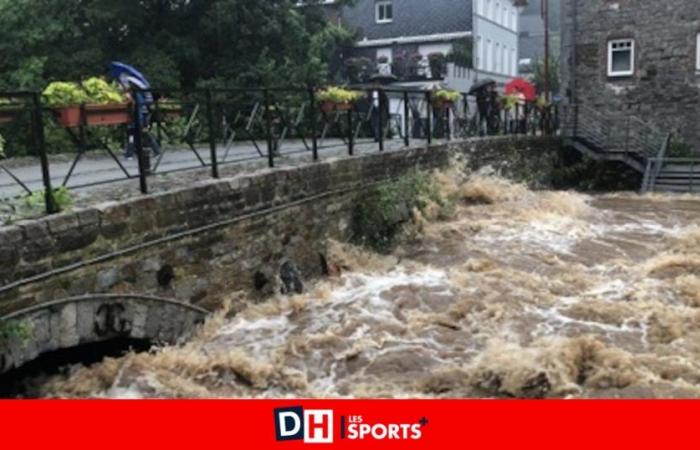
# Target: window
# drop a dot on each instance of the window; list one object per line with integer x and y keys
{"x": 479, "y": 53}
{"x": 621, "y": 58}
{"x": 489, "y": 60}
{"x": 385, "y": 12}
{"x": 504, "y": 19}
{"x": 496, "y": 58}
{"x": 697, "y": 53}
{"x": 496, "y": 10}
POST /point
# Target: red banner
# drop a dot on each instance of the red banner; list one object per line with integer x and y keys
{"x": 242, "y": 424}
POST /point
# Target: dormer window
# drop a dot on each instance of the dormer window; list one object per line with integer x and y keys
{"x": 621, "y": 58}
{"x": 385, "y": 12}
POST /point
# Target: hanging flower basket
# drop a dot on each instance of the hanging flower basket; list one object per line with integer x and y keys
{"x": 95, "y": 115}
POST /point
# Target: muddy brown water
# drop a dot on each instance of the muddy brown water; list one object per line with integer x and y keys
{"x": 521, "y": 294}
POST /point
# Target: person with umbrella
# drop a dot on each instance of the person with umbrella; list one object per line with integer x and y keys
{"x": 136, "y": 86}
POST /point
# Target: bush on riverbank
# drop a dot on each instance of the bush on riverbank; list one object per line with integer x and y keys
{"x": 381, "y": 215}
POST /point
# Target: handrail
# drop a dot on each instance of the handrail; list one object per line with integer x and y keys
{"x": 657, "y": 164}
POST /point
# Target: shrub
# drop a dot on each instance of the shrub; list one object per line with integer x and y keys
{"x": 380, "y": 216}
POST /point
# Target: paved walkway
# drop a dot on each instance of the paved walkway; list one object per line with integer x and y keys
{"x": 97, "y": 177}
{"x": 96, "y": 168}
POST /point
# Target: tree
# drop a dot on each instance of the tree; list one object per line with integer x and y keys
{"x": 174, "y": 42}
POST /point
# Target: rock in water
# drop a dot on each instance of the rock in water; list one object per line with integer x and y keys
{"x": 291, "y": 279}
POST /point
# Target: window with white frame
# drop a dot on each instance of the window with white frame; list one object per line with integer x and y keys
{"x": 621, "y": 58}
{"x": 697, "y": 52}
{"x": 384, "y": 12}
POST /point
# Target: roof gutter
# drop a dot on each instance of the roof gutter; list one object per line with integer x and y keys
{"x": 441, "y": 37}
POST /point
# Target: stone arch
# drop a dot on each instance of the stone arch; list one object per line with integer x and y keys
{"x": 70, "y": 322}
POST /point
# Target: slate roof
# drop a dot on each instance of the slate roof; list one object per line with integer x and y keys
{"x": 411, "y": 18}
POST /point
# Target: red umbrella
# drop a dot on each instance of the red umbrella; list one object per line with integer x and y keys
{"x": 522, "y": 86}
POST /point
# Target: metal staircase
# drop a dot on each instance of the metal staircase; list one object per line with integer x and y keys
{"x": 632, "y": 141}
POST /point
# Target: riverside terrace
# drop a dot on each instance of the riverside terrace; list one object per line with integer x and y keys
{"x": 208, "y": 132}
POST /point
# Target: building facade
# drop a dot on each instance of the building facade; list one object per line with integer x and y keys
{"x": 635, "y": 59}
{"x": 408, "y": 38}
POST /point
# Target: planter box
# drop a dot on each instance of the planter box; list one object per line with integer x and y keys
{"x": 95, "y": 115}
{"x": 8, "y": 113}
{"x": 442, "y": 104}
{"x": 329, "y": 106}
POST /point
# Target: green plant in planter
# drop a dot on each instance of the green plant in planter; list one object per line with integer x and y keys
{"x": 102, "y": 93}
{"x": 509, "y": 102}
{"x": 93, "y": 90}
{"x": 446, "y": 96}
{"x": 437, "y": 64}
{"x": 338, "y": 95}
{"x": 62, "y": 93}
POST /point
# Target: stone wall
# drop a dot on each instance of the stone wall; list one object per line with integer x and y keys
{"x": 665, "y": 88}
{"x": 197, "y": 246}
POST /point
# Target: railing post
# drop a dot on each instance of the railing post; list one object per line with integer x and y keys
{"x": 351, "y": 134}
{"x": 314, "y": 118}
{"x": 406, "y": 120}
{"x": 429, "y": 106}
{"x": 138, "y": 144}
{"x": 381, "y": 120}
{"x": 448, "y": 130}
{"x": 212, "y": 136}
{"x": 40, "y": 142}
{"x": 268, "y": 130}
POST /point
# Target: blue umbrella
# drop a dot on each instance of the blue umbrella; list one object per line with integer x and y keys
{"x": 128, "y": 76}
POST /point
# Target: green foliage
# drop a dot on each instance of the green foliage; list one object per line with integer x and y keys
{"x": 62, "y": 197}
{"x": 101, "y": 92}
{"x": 462, "y": 53}
{"x": 93, "y": 90}
{"x": 380, "y": 216}
{"x": 447, "y": 95}
{"x": 338, "y": 95}
{"x": 60, "y": 93}
{"x": 538, "y": 77}
{"x": 14, "y": 330}
{"x": 175, "y": 43}
{"x": 679, "y": 148}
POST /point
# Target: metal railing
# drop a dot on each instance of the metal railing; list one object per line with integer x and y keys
{"x": 182, "y": 130}
{"x": 626, "y": 134}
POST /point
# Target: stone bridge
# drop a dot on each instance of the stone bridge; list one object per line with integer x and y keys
{"x": 152, "y": 267}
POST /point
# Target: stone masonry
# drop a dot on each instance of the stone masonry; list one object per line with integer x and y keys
{"x": 150, "y": 267}
{"x": 665, "y": 87}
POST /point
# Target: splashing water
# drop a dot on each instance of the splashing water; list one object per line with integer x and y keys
{"x": 521, "y": 294}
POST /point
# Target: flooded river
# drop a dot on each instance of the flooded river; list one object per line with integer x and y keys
{"x": 520, "y": 294}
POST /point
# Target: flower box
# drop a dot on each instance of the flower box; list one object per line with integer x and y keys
{"x": 442, "y": 103}
{"x": 329, "y": 106}
{"x": 8, "y": 113}
{"x": 95, "y": 115}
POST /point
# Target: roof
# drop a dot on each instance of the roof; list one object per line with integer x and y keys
{"x": 411, "y": 18}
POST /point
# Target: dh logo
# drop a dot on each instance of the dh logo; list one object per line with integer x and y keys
{"x": 312, "y": 426}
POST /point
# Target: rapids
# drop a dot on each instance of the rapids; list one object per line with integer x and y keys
{"x": 526, "y": 294}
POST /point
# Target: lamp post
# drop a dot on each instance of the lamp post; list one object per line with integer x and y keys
{"x": 545, "y": 16}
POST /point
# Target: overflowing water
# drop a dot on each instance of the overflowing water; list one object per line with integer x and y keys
{"x": 520, "y": 294}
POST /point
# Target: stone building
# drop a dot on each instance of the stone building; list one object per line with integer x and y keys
{"x": 636, "y": 61}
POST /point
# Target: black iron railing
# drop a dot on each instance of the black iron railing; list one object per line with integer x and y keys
{"x": 181, "y": 130}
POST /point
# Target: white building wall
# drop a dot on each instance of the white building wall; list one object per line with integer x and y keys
{"x": 496, "y": 37}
